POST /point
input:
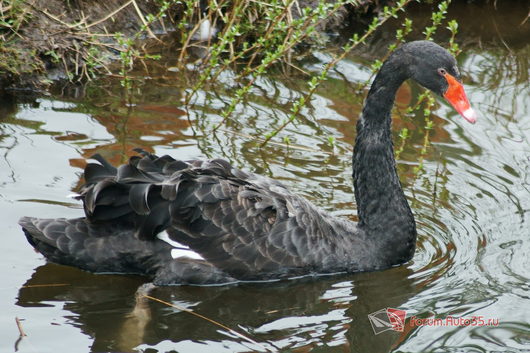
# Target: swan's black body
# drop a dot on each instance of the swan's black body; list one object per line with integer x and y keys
{"x": 245, "y": 226}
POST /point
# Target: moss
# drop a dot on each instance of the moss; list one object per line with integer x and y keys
{"x": 21, "y": 68}
{"x": 18, "y": 61}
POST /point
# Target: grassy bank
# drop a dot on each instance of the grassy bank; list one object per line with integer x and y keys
{"x": 78, "y": 40}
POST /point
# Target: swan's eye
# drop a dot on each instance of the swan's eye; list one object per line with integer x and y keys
{"x": 442, "y": 71}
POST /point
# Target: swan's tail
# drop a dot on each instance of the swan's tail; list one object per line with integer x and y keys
{"x": 113, "y": 248}
{"x": 92, "y": 247}
{"x": 48, "y": 236}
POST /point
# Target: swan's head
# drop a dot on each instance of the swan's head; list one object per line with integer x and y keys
{"x": 435, "y": 68}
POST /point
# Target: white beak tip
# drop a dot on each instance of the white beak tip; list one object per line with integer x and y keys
{"x": 470, "y": 115}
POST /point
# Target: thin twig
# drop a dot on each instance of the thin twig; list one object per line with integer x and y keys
{"x": 58, "y": 19}
{"x": 19, "y": 325}
{"x": 143, "y": 21}
{"x": 45, "y": 285}
{"x": 265, "y": 4}
{"x": 285, "y": 145}
{"x": 298, "y": 68}
{"x": 525, "y": 19}
{"x": 99, "y": 44}
{"x": 240, "y": 335}
{"x": 110, "y": 15}
{"x": 189, "y": 39}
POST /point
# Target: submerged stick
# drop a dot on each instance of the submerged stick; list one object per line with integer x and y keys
{"x": 45, "y": 285}
{"x": 20, "y": 330}
{"x": 240, "y": 335}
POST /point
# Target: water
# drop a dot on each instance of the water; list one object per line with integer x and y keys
{"x": 471, "y": 202}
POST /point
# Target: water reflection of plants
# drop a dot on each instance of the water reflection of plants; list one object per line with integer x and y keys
{"x": 500, "y": 72}
{"x": 282, "y": 53}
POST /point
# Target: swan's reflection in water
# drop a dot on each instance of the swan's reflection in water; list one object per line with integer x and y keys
{"x": 298, "y": 314}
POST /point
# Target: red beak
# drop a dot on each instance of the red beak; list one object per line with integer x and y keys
{"x": 456, "y": 95}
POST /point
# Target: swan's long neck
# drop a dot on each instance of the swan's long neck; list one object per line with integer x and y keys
{"x": 382, "y": 207}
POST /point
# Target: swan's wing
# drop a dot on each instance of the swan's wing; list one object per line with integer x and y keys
{"x": 247, "y": 225}
{"x": 248, "y": 231}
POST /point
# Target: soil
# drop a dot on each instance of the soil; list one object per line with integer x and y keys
{"x": 56, "y": 34}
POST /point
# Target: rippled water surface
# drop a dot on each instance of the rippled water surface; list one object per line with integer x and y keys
{"x": 471, "y": 201}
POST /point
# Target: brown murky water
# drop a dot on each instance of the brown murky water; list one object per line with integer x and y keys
{"x": 471, "y": 202}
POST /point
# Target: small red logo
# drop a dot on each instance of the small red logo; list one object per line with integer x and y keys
{"x": 397, "y": 318}
{"x": 387, "y": 319}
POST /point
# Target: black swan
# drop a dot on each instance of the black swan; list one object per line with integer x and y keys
{"x": 206, "y": 222}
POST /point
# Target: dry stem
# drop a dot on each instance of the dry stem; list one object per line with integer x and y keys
{"x": 240, "y": 335}
{"x": 19, "y": 325}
